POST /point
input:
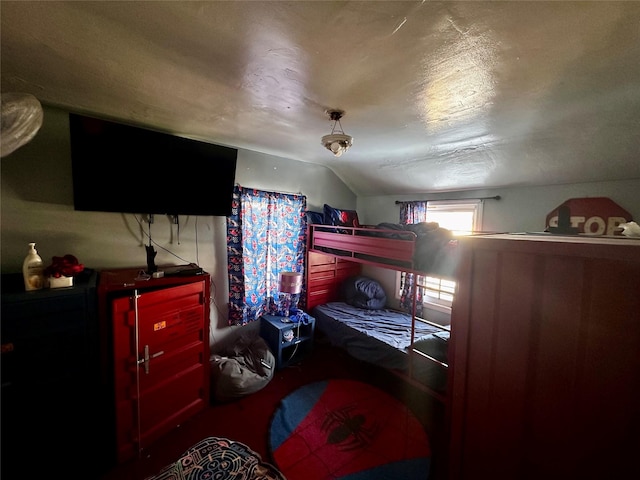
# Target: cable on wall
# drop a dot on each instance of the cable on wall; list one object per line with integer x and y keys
{"x": 153, "y": 242}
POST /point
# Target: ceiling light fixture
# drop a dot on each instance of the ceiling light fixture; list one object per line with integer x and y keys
{"x": 337, "y": 142}
{"x": 21, "y": 120}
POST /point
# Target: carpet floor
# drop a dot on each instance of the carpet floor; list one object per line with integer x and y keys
{"x": 247, "y": 420}
{"x": 347, "y": 429}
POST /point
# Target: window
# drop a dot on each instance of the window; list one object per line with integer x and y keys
{"x": 439, "y": 289}
{"x": 462, "y": 217}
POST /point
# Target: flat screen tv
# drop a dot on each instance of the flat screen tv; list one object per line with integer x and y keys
{"x": 128, "y": 169}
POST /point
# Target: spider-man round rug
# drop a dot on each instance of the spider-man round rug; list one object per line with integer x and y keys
{"x": 345, "y": 429}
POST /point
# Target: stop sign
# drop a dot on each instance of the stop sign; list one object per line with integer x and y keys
{"x": 592, "y": 215}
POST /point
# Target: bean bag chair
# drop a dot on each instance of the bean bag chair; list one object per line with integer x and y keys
{"x": 242, "y": 368}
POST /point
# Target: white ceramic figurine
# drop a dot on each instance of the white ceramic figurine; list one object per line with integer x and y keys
{"x": 630, "y": 229}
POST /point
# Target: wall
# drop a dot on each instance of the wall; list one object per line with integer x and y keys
{"x": 522, "y": 209}
{"x": 37, "y": 206}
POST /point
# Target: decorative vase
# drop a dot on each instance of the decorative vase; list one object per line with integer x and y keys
{"x": 59, "y": 282}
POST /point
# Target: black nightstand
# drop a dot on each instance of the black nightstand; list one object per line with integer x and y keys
{"x": 274, "y": 331}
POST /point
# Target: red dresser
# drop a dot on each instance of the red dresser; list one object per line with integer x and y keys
{"x": 158, "y": 353}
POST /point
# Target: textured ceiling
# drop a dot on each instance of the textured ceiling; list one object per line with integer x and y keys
{"x": 438, "y": 96}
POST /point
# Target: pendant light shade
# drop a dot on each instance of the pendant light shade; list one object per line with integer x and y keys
{"x": 337, "y": 142}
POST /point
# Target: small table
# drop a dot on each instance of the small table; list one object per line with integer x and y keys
{"x": 274, "y": 331}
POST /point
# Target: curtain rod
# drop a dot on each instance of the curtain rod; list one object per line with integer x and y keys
{"x": 496, "y": 197}
{"x": 270, "y": 191}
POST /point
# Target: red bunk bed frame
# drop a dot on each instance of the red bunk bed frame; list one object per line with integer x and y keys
{"x": 338, "y": 252}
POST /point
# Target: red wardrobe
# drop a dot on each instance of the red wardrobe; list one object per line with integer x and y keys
{"x": 545, "y": 376}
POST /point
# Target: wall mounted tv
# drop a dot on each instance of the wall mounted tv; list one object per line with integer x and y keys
{"x": 127, "y": 169}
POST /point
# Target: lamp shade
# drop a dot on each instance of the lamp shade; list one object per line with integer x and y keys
{"x": 337, "y": 142}
{"x": 290, "y": 282}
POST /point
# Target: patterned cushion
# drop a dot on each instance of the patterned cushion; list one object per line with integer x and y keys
{"x": 218, "y": 457}
{"x": 336, "y": 216}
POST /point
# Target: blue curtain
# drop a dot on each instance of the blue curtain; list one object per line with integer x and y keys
{"x": 410, "y": 213}
{"x": 266, "y": 235}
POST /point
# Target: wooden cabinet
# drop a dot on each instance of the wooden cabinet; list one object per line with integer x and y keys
{"x": 546, "y": 358}
{"x": 159, "y": 354}
{"x": 50, "y": 377}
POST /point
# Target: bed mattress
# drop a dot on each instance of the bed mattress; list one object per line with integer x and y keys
{"x": 382, "y": 337}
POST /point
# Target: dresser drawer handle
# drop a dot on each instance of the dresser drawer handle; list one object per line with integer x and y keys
{"x": 148, "y": 357}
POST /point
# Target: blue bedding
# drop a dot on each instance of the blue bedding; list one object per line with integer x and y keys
{"x": 382, "y": 337}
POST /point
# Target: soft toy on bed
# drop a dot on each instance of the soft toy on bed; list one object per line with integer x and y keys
{"x": 364, "y": 292}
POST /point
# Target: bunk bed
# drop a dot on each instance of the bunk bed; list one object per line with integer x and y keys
{"x": 404, "y": 342}
{"x": 422, "y": 247}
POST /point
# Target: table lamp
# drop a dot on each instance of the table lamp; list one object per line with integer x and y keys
{"x": 289, "y": 287}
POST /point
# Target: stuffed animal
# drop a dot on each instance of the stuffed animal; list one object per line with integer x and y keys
{"x": 630, "y": 229}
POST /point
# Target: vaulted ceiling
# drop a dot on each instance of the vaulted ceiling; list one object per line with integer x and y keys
{"x": 438, "y": 96}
